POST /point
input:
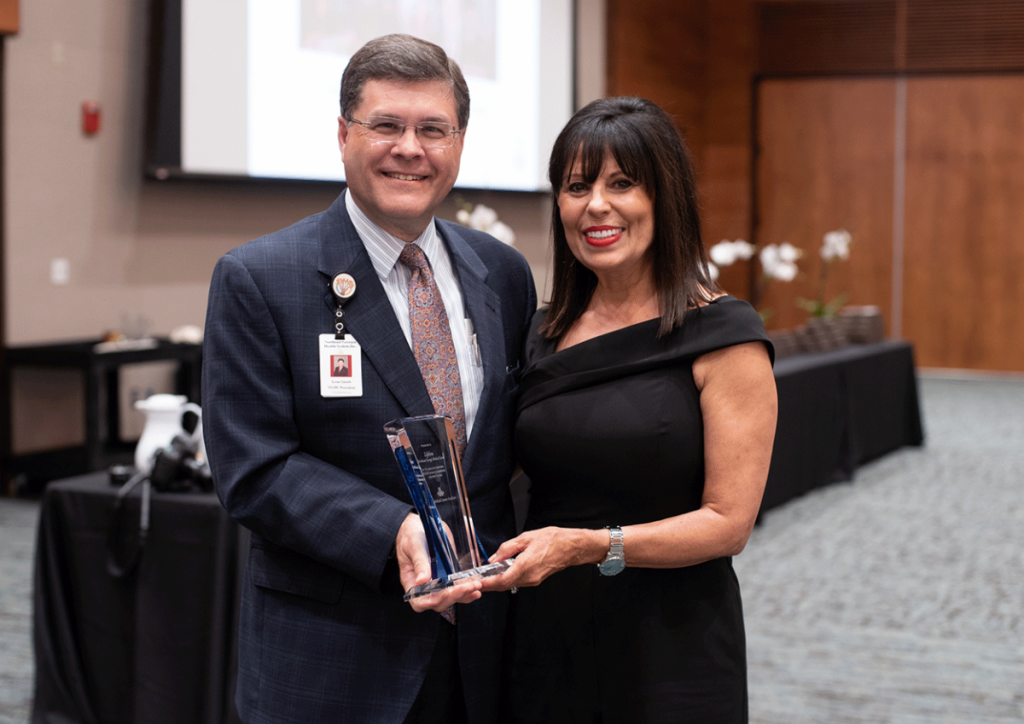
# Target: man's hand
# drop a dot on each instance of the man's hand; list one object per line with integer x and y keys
{"x": 414, "y": 569}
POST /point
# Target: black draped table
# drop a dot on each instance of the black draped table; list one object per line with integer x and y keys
{"x": 158, "y": 646}
{"x": 838, "y": 410}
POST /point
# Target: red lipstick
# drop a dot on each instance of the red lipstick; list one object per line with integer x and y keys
{"x": 602, "y": 240}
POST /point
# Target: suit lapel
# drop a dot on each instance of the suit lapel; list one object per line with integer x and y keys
{"x": 484, "y": 309}
{"x": 369, "y": 316}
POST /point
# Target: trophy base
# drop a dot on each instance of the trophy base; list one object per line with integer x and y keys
{"x": 439, "y": 584}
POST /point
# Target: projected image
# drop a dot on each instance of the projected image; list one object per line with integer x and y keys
{"x": 260, "y": 81}
{"x": 466, "y": 29}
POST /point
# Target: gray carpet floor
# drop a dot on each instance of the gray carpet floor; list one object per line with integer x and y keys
{"x": 896, "y": 598}
{"x": 899, "y": 597}
{"x": 18, "y": 521}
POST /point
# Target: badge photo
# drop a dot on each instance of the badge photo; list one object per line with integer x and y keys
{"x": 340, "y": 366}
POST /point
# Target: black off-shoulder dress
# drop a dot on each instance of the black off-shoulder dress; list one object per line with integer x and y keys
{"x": 609, "y": 432}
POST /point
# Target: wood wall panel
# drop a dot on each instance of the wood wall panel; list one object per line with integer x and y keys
{"x": 724, "y": 159}
{"x": 964, "y": 228}
{"x": 884, "y": 36}
{"x": 825, "y": 36}
{"x": 656, "y": 51}
{"x": 953, "y": 35}
{"x": 696, "y": 58}
{"x": 826, "y": 162}
{"x": 8, "y": 17}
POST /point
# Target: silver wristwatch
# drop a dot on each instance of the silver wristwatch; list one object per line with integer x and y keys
{"x": 615, "y": 561}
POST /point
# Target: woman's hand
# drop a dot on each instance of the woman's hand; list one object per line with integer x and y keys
{"x": 541, "y": 553}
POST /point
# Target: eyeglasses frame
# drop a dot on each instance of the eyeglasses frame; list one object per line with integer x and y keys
{"x": 450, "y": 136}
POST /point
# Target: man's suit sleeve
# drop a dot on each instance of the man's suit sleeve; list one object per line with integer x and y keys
{"x": 263, "y": 477}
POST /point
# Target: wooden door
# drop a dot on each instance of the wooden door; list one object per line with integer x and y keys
{"x": 964, "y": 224}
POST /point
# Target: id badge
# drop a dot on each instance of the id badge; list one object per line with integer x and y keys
{"x": 341, "y": 367}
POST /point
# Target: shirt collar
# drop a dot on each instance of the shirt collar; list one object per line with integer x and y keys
{"x": 384, "y": 248}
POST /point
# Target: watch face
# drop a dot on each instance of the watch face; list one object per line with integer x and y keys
{"x": 611, "y": 566}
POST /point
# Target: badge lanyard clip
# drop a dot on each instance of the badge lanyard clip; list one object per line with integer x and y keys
{"x": 343, "y": 287}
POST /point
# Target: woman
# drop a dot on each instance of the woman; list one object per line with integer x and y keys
{"x": 648, "y": 406}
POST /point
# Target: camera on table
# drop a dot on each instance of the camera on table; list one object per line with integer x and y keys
{"x": 176, "y": 468}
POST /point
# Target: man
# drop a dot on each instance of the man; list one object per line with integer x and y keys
{"x": 340, "y": 366}
{"x": 301, "y": 459}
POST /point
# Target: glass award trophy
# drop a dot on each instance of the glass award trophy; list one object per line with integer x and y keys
{"x": 427, "y": 454}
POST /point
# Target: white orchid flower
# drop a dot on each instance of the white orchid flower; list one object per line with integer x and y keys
{"x": 502, "y": 232}
{"x": 743, "y": 249}
{"x": 769, "y": 258}
{"x": 786, "y": 271}
{"x": 789, "y": 253}
{"x": 727, "y": 252}
{"x": 482, "y": 217}
{"x": 779, "y": 262}
{"x": 722, "y": 254}
{"x": 836, "y": 245}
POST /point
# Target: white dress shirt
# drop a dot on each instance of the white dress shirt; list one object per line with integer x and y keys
{"x": 384, "y": 250}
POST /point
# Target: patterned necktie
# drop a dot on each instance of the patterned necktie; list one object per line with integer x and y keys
{"x": 435, "y": 351}
{"x": 432, "y": 342}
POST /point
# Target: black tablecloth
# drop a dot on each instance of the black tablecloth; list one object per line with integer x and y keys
{"x": 159, "y": 646}
{"x": 838, "y": 410}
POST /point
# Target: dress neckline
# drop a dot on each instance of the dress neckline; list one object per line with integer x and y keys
{"x": 604, "y": 336}
{"x": 634, "y": 349}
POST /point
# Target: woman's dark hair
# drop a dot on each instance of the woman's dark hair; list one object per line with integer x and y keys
{"x": 404, "y": 58}
{"x": 649, "y": 149}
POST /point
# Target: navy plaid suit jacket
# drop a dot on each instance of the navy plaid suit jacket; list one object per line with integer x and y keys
{"x": 324, "y": 635}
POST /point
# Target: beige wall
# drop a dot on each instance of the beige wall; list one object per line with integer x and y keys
{"x": 138, "y": 248}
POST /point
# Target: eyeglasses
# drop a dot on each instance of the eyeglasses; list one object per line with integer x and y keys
{"x": 431, "y": 134}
